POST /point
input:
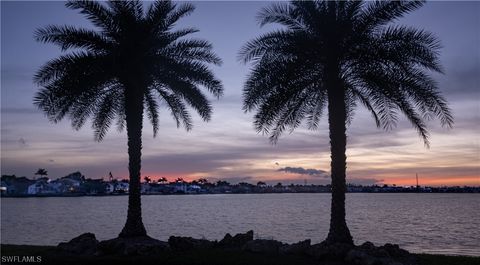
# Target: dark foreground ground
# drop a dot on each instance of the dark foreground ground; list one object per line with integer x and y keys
{"x": 48, "y": 255}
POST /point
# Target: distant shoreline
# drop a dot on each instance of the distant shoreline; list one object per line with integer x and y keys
{"x": 226, "y": 193}
{"x": 76, "y": 184}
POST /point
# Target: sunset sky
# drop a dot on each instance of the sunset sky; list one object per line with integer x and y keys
{"x": 228, "y": 147}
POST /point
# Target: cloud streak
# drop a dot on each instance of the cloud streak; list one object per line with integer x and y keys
{"x": 305, "y": 171}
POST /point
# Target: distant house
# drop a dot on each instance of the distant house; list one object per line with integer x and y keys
{"x": 12, "y": 185}
{"x": 180, "y": 187}
{"x": 41, "y": 187}
{"x": 57, "y": 186}
{"x": 145, "y": 188}
{"x": 116, "y": 187}
{"x": 193, "y": 189}
{"x": 93, "y": 186}
{"x": 77, "y": 176}
{"x": 109, "y": 188}
{"x": 34, "y": 189}
{"x": 68, "y": 184}
{"x": 160, "y": 188}
{"x": 5, "y": 188}
{"x": 121, "y": 187}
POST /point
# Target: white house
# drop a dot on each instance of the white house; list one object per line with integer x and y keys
{"x": 109, "y": 188}
{"x": 122, "y": 187}
{"x": 193, "y": 189}
{"x": 40, "y": 187}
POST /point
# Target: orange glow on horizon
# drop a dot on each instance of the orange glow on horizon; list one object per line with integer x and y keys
{"x": 399, "y": 180}
{"x": 435, "y": 181}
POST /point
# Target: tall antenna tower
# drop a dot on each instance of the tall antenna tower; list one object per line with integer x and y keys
{"x": 417, "y": 181}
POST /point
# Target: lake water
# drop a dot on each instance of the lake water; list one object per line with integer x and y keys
{"x": 430, "y": 223}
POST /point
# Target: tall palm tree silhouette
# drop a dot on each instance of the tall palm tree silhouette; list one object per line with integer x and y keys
{"x": 335, "y": 55}
{"x": 131, "y": 64}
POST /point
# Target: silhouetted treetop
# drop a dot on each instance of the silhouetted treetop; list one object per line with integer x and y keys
{"x": 41, "y": 172}
{"x": 130, "y": 51}
{"x": 381, "y": 66}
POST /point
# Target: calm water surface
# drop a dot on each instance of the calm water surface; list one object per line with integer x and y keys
{"x": 431, "y": 223}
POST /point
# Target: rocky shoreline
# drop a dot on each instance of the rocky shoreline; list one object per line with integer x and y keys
{"x": 365, "y": 254}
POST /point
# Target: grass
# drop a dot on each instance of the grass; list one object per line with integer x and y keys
{"x": 429, "y": 259}
{"x": 199, "y": 257}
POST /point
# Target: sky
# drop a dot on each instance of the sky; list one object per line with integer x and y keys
{"x": 228, "y": 147}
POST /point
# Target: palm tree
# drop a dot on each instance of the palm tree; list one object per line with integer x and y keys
{"x": 162, "y": 180}
{"x": 147, "y": 179}
{"x": 42, "y": 172}
{"x": 134, "y": 62}
{"x": 335, "y": 55}
{"x": 180, "y": 180}
{"x": 202, "y": 181}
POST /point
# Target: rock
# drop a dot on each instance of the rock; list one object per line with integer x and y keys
{"x": 324, "y": 250}
{"x": 394, "y": 250}
{"x": 295, "y": 249}
{"x": 367, "y": 246}
{"x": 339, "y": 250}
{"x": 132, "y": 246}
{"x": 360, "y": 257}
{"x": 83, "y": 244}
{"x": 187, "y": 243}
{"x": 236, "y": 241}
{"x": 318, "y": 250}
{"x": 382, "y": 253}
{"x": 226, "y": 241}
{"x": 369, "y": 254}
{"x": 262, "y": 246}
{"x": 356, "y": 256}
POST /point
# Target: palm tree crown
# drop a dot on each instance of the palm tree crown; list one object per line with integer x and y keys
{"x": 42, "y": 172}
{"x": 131, "y": 51}
{"x": 132, "y": 63}
{"x": 379, "y": 65}
{"x": 336, "y": 55}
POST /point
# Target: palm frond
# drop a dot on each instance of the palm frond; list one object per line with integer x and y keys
{"x": 189, "y": 70}
{"x": 157, "y": 12}
{"x": 192, "y": 49}
{"x": 104, "y": 115}
{"x": 98, "y": 14}
{"x": 315, "y": 110}
{"x": 180, "y": 11}
{"x": 191, "y": 94}
{"x": 388, "y": 85}
{"x": 281, "y": 13}
{"x": 127, "y": 8}
{"x": 68, "y": 37}
{"x": 312, "y": 14}
{"x": 177, "y": 108}
{"x": 172, "y": 36}
{"x": 290, "y": 116}
{"x": 151, "y": 107}
{"x": 365, "y": 100}
{"x": 380, "y": 12}
{"x": 74, "y": 67}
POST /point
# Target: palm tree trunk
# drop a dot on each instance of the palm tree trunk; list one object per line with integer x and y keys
{"x": 134, "y": 117}
{"x": 337, "y": 116}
